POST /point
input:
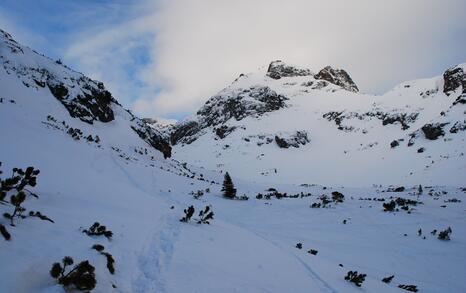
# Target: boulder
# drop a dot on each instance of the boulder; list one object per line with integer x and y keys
{"x": 433, "y": 131}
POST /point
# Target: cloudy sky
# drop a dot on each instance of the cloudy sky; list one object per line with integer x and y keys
{"x": 166, "y": 57}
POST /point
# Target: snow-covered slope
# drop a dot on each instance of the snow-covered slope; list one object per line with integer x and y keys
{"x": 287, "y": 124}
{"x": 98, "y": 162}
{"x": 83, "y": 98}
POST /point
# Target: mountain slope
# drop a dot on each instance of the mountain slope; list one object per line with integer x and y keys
{"x": 288, "y": 124}
{"x": 82, "y": 97}
{"x": 93, "y": 170}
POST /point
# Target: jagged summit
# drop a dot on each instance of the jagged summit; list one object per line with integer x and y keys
{"x": 338, "y": 77}
{"x": 278, "y": 69}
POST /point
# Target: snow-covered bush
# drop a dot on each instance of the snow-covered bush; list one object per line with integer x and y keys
{"x": 16, "y": 201}
{"x": 324, "y": 202}
{"x": 4, "y": 232}
{"x": 205, "y": 215}
{"x": 389, "y": 206}
{"x": 388, "y": 279}
{"x": 40, "y": 216}
{"x": 354, "y": 277}
{"x": 198, "y": 194}
{"x": 188, "y": 213}
{"x": 110, "y": 260}
{"x": 403, "y": 203}
{"x": 337, "y": 196}
{"x": 16, "y": 186}
{"x": 18, "y": 181}
{"x": 445, "y": 234}
{"x": 81, "y": 277}
{"x": 97, "y": 230}
{"x": 410, "y": 288}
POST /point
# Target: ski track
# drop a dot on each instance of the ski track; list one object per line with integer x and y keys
{"x": 156, "y": 257}
{"x": 326, "y": 287}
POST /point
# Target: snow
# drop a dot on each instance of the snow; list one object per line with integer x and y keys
{"x": 250, "y": 245}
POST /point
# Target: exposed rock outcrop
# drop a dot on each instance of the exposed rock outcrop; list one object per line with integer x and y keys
{"x": 278, "y": 69}
{"x": 454, "y": 78}
{"x": 294, "y": 140}
{"x": 433, "y": 131}
{"x": 152, "y": 137}
{"x": 338, "y": 77}
{"x": 93, "y": 103}
{"x": 237, "y": 105}
{"x": 185, "y": 132}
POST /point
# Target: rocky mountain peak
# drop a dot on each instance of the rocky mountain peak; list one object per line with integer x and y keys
{"x": 454, "y": 78}
{"x": 278, "y": 69}
{"x": 338, "y": 77}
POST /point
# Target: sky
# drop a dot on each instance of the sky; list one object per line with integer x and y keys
{"x": 165, "y": 58}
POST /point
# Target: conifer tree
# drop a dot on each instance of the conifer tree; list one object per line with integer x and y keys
{"x": 228, "y": 188}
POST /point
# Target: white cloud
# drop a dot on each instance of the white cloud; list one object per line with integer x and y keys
{"x": 198, "y": 47}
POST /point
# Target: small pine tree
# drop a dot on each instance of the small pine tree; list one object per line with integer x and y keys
{"x": 228, "y": 188}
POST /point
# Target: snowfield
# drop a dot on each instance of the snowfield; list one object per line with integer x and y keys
{"x": 124, "y": 183}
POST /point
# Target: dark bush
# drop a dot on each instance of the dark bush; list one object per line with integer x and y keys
{"x": 337, "y": 196}
{"x": 445, "y": 234}
{"x": 4, "y": 232}
{"x": 40, "y": 216}
{"x": 205, "y": 215}
{"x": 98, "y": 247}
{"x": 16, "y": 201}
{"x": 18, "y": 182}
{"x": 411, "y": 288}
{"x": 389, "y": 206}
{"x": 81, "y": 277}
{"x": 354, "y": 277}
{"x": 388, "y": 279}
{"x": 188, "y": 213}
{"x": 97, "y": 230}
{"x": 110, "y": 260}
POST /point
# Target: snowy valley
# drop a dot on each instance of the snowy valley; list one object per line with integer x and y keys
{"x": 328, "y": 181}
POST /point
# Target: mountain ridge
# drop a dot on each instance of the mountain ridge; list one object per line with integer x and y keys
{"x": 413, "y": 115}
